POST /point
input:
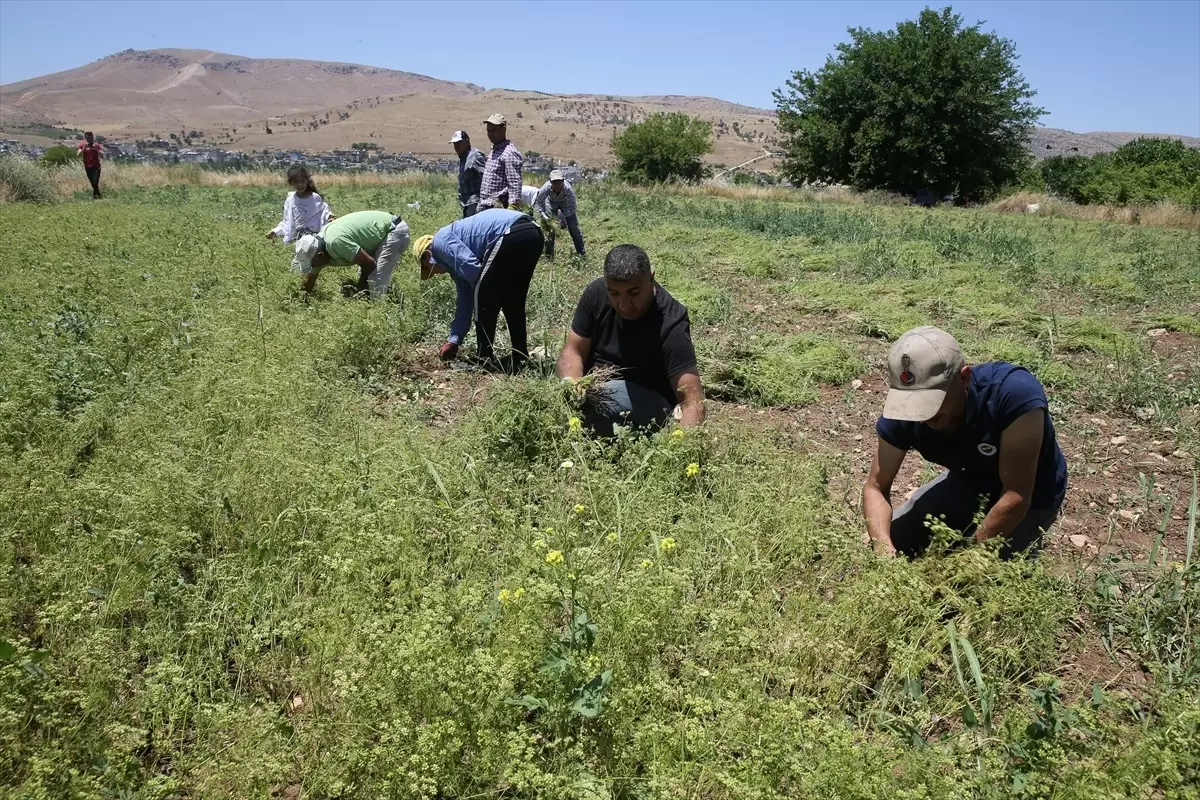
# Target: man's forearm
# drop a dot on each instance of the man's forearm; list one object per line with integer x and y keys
{"x": 366, "y": 265}
{"x": 691, "y": 413}
{"x": 569, "y": 365}
{"x": 1003, "y": 517}
{"x": 877, "y": 510}
{"x": 363, "y": 274}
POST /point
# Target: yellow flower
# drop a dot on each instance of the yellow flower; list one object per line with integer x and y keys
{"x": 580, "y": 508}
{"x": 692, "y": 470}
{"x": 575, "y": 425}
{"x": 646, "y": 563}
{"x": 507, "y": 597}
{"x": 540, "y": 544}
{"x": 666, "y": 544}
{"x": 678, "y": 433}
{"x": 613, "y": 537}
{"x": 566, "y": 465}
{"x": 554, "y": 557}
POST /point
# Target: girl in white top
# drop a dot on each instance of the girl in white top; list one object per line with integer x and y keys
{"x": 304, "y": 211}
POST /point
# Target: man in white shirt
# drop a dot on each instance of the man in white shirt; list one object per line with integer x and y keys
{"x": 528, "y": 195}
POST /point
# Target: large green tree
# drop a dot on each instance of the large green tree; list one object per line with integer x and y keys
{"x": 664, "y": 147}
{"x": 932, "y": 104}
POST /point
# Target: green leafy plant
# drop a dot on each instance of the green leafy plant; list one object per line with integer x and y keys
{"x": 60, "y": 155}
{"x": 1140, "y": 172}
{"x": 931, "y": 105}
{"x": 662, "y": 148}
{"x": 569, "y": 693}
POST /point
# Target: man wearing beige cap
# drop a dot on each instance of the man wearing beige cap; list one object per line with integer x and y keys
{"x": 988, "y": 425}
{"x": 502, "y": 174}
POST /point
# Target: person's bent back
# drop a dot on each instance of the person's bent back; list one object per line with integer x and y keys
{"x": 626, "y": 322}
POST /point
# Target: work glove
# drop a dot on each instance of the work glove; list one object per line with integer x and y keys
{"x": 449, "y": 351}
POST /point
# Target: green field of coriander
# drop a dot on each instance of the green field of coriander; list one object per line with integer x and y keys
{"x": 256, "y": 546}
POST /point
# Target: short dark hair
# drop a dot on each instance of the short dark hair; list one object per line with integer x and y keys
{"x": 87, "y": 133}
{"x": 626, "y": 262}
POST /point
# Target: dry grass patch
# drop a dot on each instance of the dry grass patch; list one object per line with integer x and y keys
{"x": 1163, "y": 215}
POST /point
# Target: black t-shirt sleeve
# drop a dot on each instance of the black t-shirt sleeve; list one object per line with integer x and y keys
{"x": 679, "y": 355}
{"x": 587, "y": 312}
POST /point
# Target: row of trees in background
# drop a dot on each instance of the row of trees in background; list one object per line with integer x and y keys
{"x": 930, "y": 106}
{"x": 1142, "y": 172}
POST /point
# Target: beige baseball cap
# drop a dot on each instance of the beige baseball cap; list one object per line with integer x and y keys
{"x": 557, "y": 175}
{"x": 922, "y": 364}
{"x": 496, "y": 119}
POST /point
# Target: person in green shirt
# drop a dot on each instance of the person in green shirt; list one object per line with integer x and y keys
{"x": 374, "y": 240}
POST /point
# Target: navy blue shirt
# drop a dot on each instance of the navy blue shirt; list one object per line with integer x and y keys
{"x": 999, "y": 393}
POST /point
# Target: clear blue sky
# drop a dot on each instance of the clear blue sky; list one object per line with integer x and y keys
{"x": 1118, "y": 66}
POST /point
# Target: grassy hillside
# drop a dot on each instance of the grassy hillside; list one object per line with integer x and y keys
{"x": 254, "y": 546}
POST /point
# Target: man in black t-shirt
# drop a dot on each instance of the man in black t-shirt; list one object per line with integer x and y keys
{"x": 627, "y": 322}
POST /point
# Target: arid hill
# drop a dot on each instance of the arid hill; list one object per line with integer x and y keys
{"x": 232, "y": 102}
{"x": 312, "y": 105}
{"x": 1046, "y": 142}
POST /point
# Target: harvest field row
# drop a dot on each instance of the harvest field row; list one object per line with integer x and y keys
{"x": 252, "y": 545}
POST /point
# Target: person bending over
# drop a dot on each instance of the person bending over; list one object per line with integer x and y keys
{"x": 372, "y": 240}
{"x": 491, "y": 257}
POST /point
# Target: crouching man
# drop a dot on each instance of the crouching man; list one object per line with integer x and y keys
{"x": 988, "y": 425}
{"x": 626, "y": 322}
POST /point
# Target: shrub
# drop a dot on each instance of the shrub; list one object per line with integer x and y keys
{"x": 1142, "y": 172}
{"x": 664, "y": 147}
{"x": 60, "y": 155}
{"x": 23, "y": 181}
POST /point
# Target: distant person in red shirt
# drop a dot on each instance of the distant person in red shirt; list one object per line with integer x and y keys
{"x": 90, "y": 149}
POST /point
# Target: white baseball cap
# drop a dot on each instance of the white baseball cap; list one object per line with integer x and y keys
{"x": 307, "y": 247}
{"x": 458, "y": 137}
{"x": 922, "y": 364}
{"x": 557, "y": 175}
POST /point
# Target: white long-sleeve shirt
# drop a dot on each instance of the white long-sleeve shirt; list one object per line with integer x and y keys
{"x": 302, "y": 213}
{"x": 528, "y": 195}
